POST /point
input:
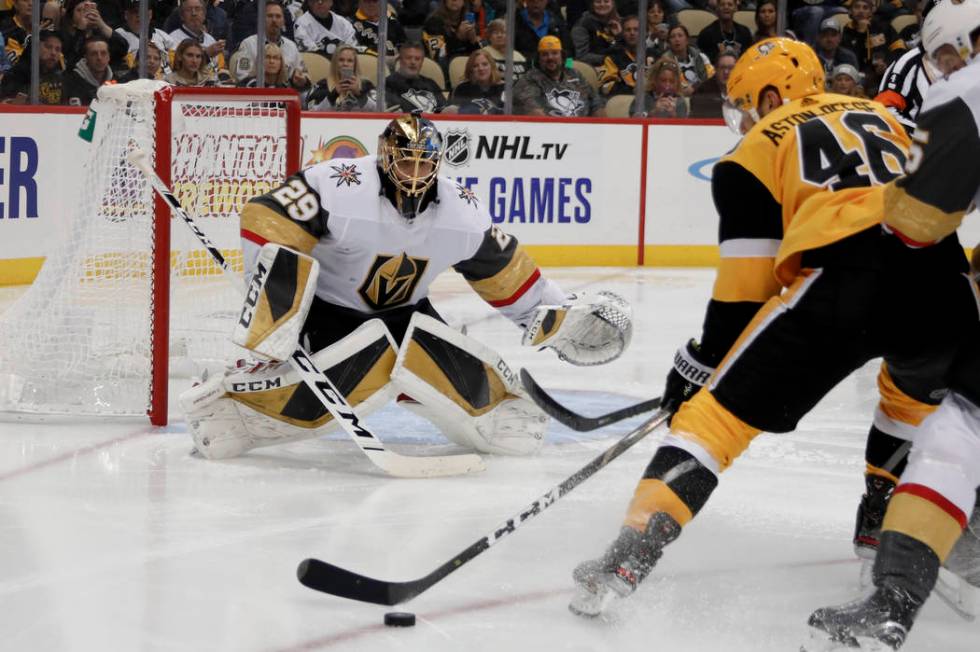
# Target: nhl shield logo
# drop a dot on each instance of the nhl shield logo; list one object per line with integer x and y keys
{"x": 457, "y": 151}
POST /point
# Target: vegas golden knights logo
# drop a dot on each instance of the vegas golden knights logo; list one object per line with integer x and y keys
{"x": 392, "y": 280}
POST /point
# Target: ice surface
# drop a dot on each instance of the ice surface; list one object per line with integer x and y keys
{"x": 112, "y": 537}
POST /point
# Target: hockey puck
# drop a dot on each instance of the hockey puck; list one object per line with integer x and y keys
{"x": 399, "y": 619}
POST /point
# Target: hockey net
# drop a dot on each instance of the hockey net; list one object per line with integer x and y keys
{"x": 129, "y": 297}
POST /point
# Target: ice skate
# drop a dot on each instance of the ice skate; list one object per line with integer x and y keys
{"x": 870, "y": 514}
{"x": 878, "y": 622}
{"x": 625, "y": 564}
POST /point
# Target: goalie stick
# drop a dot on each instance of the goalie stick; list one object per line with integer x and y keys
{"x": 330, "y": 397}
{"x": 575, "y": 421}
{"x": 327, "y": 578}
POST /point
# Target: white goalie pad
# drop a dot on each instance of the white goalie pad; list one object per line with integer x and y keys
{"x": 466, "y": 390}
{"x": 277, "y": 301}
{"x": 258, "y": 404}
{"x": 589, "y": 329}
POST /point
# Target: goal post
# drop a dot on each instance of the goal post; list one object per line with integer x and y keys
{"x": 129, "y": 300}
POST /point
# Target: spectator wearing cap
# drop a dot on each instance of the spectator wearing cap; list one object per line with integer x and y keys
{"x": 321, "y": 30}
{"x": 708, "y": 99}
{"x": 724, "y": 33}
{"x": 829, "y": 49}
{"x": 866, "y": 36}
{"x": 365, "y": 23}
{"x": 90, "y": 72}
{"x": 497, "y": 47}
{"x": 131, "y": 32}
{"x": 16, "y": 85}
{"x": 407, "y": 89}
{"x": 594, "y": 35}
{"x": 534, "y": 22}
{"x": 808, "y": 17}
{"x": 846, "y": 80}
{"x": 288, "y": 51}
{"x": 694, "y": 65}
{"x": 551, "y": 89}
{"x": 663, "y": 98}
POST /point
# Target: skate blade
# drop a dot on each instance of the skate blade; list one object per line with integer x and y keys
{"x": 865, "y": 580}
{"x": 591, "y": 604}
{"x": 822, "y": 641}
{"x": 957, "y": 594}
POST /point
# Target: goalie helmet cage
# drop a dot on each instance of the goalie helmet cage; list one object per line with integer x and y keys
{"x": 130, "y": 298}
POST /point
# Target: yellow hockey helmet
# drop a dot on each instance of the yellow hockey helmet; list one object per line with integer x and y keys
{"x": 410, "y": 150}
{"x": 791, "y": 67}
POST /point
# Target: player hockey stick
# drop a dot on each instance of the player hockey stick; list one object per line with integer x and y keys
{"x": 325, "y": 577}
{"x": 575, "y": 421}
{"x": 330, "y": 397}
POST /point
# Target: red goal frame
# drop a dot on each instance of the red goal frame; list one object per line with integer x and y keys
{"x": 163, "y": 109}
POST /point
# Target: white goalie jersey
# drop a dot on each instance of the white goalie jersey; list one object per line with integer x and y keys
{"x": 373, "y": 259}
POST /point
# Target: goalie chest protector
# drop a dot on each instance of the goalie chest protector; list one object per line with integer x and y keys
{"x": 373, "y": 259}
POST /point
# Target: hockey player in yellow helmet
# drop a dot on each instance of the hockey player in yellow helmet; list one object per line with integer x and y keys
{"x": 789, "y": 68}
{"x": 809, "y": 288}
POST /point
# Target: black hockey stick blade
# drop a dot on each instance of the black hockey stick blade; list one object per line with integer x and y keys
{"x": 327, "y": 578}
{"x": 575, "y": 421}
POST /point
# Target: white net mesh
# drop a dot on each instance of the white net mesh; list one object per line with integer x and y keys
{"x": 78, "y": 341}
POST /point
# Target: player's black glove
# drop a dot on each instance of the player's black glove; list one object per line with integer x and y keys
{"x": 689, "y": 375}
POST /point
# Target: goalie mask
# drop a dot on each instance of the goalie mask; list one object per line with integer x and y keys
{"x": 409, "y": 151}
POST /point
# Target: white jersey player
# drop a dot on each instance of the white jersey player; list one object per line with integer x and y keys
{"x": 933, "y": 516}
{"x": 344, "y": 253}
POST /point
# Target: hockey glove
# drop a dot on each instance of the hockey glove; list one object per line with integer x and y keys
{"x": 688, "y": 375}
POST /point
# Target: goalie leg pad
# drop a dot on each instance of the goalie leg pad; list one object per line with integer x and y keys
{"x": 466, "y": 390}
{"x": 266, "y": 404}
{"x": 277, "y": 301}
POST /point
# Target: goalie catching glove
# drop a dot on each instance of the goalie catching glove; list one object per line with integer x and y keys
{"x": 589, "y": 329}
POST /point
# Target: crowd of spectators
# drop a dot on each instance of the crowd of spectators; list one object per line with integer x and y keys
{"x": 571, "y": 57}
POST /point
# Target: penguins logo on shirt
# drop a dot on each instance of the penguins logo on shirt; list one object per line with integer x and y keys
{"x": 565, "y": 102}
{"x": 424, "y": 100}
{"x": 392, "y": 280}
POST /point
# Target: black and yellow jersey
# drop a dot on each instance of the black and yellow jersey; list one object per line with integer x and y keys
{"x": 809, "y": 174}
